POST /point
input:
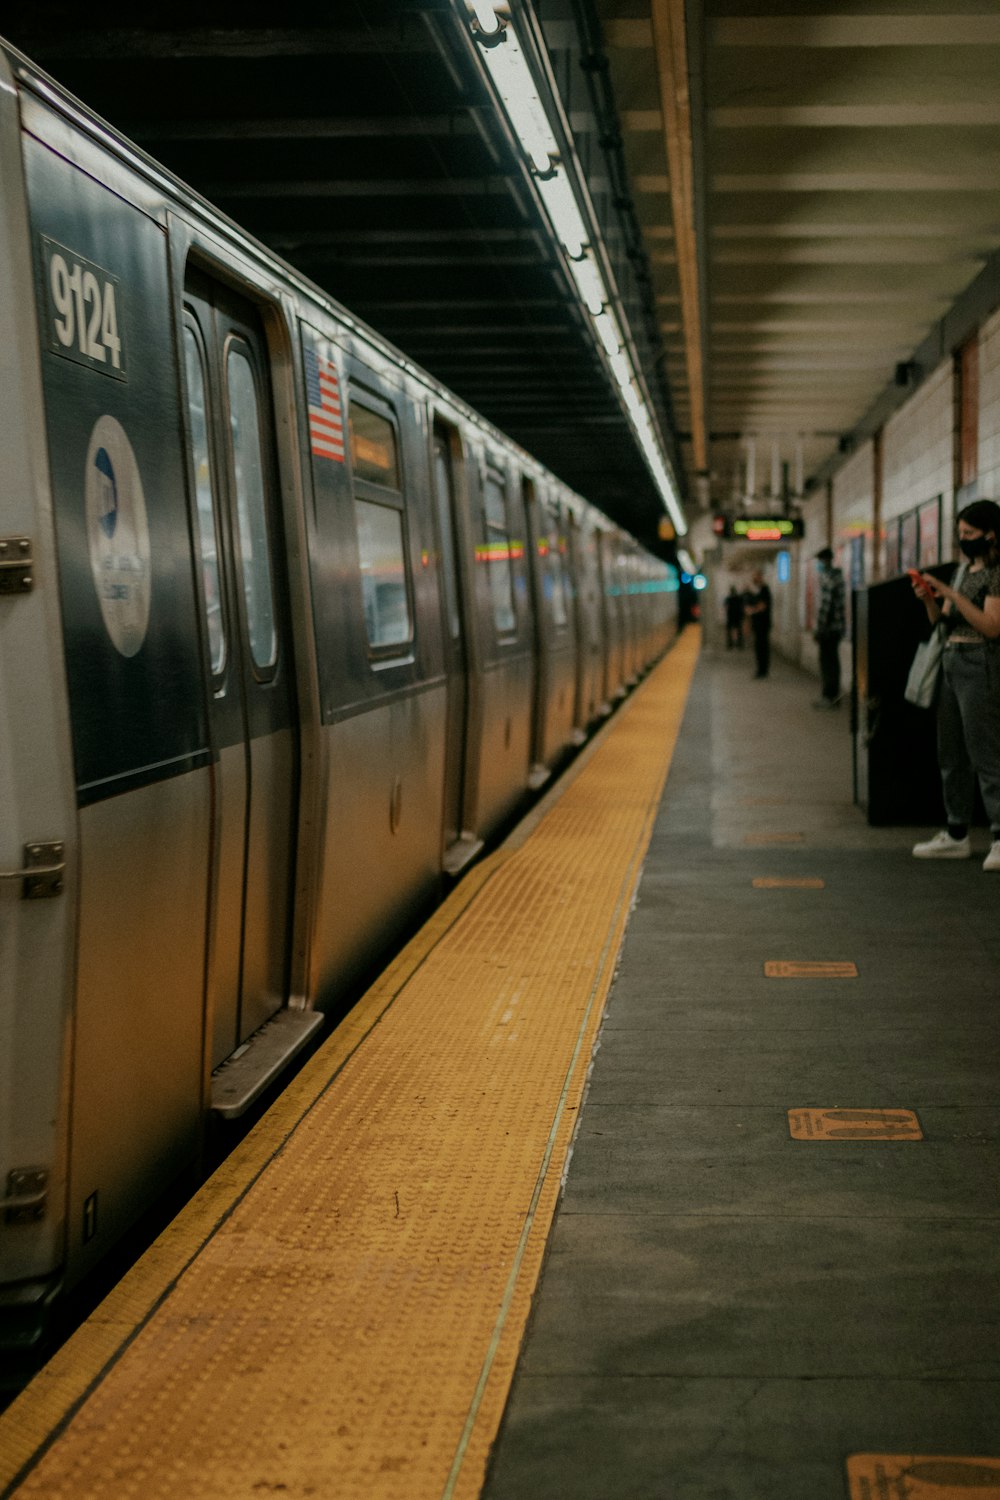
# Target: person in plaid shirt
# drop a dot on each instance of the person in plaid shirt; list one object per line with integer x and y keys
{"x": 831, "y": 622}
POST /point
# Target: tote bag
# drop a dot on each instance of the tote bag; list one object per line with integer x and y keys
{"x": 922, "y": 683}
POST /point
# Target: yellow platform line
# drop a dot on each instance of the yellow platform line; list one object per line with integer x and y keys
{"x": 347, "y": 1325}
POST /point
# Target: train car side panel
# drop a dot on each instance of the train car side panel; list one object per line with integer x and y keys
{"x": 504, "y": 629}
{"x": 376, "y": 611}
{"x": 135, "y": 693}
{"x": 37, "y": 789}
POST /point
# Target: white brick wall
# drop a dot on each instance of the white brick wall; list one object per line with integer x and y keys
{"x": 989, "y": 408}
{"x": 853, "y": 506}
{"x": 918, "y": 448}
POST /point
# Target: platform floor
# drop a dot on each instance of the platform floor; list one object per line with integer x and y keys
{"x": 339, "y": 1311}
{"x": 731, "y": 1305}
{"x": 728, "y": 1313}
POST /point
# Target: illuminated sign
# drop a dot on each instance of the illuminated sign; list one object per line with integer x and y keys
{"x": 759, "y": 528}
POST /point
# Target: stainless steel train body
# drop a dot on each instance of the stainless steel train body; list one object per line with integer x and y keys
{"x": 286, "y": 631}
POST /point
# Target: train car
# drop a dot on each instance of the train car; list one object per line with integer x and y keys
{"x": 287, "y": 632}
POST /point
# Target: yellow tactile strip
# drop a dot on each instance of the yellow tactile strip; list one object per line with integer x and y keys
{"x": 348, "y": 1325}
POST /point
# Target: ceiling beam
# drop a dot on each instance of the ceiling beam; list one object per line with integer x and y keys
{"x": 313, "y": 128}
{"x": 112, "y": 43}
{"x": 670, "y": 48}
{"x": 853, "y": 116}
{"x": 852, "y": 30}
{"x": 361, "y": 187}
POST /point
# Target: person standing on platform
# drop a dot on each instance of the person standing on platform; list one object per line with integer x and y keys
{"x": 968, "y": 706}
{"x": 831, "y": 622}
{"x": 734, "y": 618}
{"x": 758, "y": 608}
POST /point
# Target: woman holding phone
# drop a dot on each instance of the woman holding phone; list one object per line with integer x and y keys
{"x": 968, "y": 709}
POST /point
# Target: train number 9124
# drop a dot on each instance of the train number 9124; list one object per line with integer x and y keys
{"x": 83, "y": 311}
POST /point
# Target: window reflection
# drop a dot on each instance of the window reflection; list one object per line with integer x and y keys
{"x": 497, "y": 555}
{"x": 244, "y": 420}
{"x": 204, "y": 501}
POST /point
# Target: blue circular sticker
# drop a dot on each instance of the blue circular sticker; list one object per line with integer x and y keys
{"x": 118, "y": 534}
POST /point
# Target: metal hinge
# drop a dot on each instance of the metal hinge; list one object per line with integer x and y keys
{"x": 16, "y": 572}
{"x": 43, "y": 871}
{"x": 26, "y": 1196}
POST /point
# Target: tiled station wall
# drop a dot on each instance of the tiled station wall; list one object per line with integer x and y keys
{"x": 989, "y": 408}
{"x": 919, "y": 448}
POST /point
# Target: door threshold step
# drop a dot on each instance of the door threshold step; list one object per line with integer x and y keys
{"x": 461, "y": 853}
{"x": 245, "y": 1074}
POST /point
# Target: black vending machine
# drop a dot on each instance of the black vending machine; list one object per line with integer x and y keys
{"x": 895, "y": 755}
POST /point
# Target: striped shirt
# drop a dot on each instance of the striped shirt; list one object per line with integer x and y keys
{"x": 831, "y": 618}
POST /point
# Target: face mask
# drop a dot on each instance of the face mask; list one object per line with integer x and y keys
{"x": 976, "y": 546}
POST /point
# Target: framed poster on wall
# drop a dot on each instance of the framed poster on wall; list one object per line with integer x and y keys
{"x": 929, "y": 533}
{"x": 908, "y": 542}
{"x": 892, "y": 566}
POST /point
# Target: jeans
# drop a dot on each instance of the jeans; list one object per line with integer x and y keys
{"x": 968, "y": 731}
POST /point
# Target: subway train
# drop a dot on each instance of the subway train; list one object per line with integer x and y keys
{"x": 287, "y": 632}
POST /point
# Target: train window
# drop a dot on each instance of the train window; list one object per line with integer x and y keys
{"x": 383, "y": 573}
{"x": 497, "y": 555}
{"x": 248, "y": 475}
{"x": 555, "y": 572}
{"x": 205, "y": 505}
{"x": 381, "y": 531}
{"x": 373, "y": 447}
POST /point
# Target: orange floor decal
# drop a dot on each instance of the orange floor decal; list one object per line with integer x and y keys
{"x": 781, "y": 883}
{"x": 780, "y": 968}
{"x": 895, "y": 1476}
{"x": 854, "y": 1125}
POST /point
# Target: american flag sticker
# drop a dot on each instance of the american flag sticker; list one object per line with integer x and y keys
{"x": 326, "y": 417}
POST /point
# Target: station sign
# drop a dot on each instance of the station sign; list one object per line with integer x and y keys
{"x": 759, "y": 528}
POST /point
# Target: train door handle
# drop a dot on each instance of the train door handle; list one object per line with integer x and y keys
{"x": 42, "y": 874}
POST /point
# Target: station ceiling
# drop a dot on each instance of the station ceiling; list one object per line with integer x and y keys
{"x": 792, "y": 196}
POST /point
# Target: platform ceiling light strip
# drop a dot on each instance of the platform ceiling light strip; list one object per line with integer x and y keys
{"x": 516, "y": 90}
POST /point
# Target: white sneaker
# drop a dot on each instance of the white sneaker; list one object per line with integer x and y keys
{"x": 943, "y": 846}
{"x": 992, "y": 860}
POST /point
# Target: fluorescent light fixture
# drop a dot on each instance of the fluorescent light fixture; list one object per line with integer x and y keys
{"x": 564, "y": 213}
{"x": 485, "y": 13}
{"x": 512, "y": 79}
{"x": 633, "y": 397}
{"x": 589, "y": 282}
{"x": 606, "y": 327}
{"x": 621, "y": 369}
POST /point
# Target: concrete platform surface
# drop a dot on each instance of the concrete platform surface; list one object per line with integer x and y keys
{"x": 727, "y": 1313}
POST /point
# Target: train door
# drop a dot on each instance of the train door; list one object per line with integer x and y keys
{"x": 252, "y": 707}
{"x": 459, "y": 847}
{"x": 583, "y": 701}
{"x": 535, "y": 534}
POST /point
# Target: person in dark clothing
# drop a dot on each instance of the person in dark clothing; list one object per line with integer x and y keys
{"x": 758, "y": 607}
{"x": 968, "y": 706}
{"x": 831, "y": 622}
{"x": 734, "y": 619}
